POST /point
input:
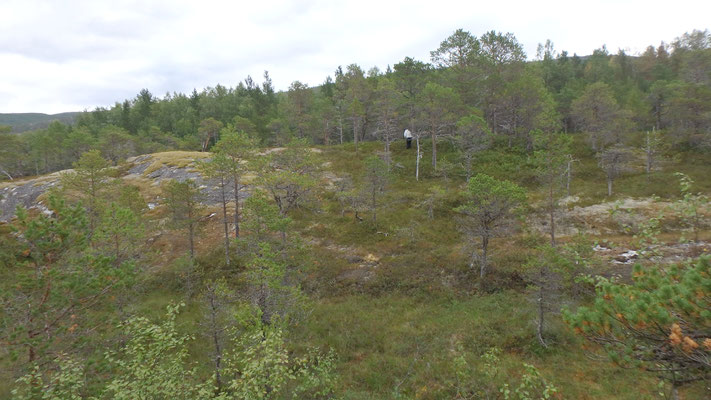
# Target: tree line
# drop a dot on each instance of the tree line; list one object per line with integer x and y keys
{"x": 607, "y": 96}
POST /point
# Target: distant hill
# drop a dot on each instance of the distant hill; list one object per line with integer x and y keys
{"x": 21, "y": 122}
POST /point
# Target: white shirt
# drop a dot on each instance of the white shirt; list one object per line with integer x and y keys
{"x": 407, "y": 134}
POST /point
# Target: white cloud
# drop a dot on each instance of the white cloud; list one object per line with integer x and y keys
{"x": 76, "y": 54}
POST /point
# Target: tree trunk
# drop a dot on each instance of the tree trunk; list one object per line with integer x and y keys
{"x": 417, "y": 161}
{"x": 434, "y": 151}
{"x": 551, "y": 211}
{"x": 236, "y": 183}
{"x": 648, "y": 149}
{"x": 355, "y": 134}
{"x": 609, "y": 186}
{"x": 31, "y": 350}
{"x": 340, "y": 129}
{"x": 484, "y": 249}
{"x": 387, "y": 150}
{"x": 263, "y": 306}
{"x": 541, "y": 311}
{"x": 224, "y": 220}
{"x": 216, "y": 341}
{"x": 191, "y": 233}
{"x": 375, "y": 209}
{"x": 569, "y": 174}
{"x": 117, "y": 250}
{"x": 92, "y": 206}
{"x": 6, "y": 173}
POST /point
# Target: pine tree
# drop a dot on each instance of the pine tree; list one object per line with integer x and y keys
{"x": 88, "y": 182}
{"x": 183, "y": 202}
{"x": 52, "y": 280}
{"x": 377, "y": 178}
{"x": 290, "y": 175}
{"x": 489, "y": 211}
{"x": 660, "y": 322}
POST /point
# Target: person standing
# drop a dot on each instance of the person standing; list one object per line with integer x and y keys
{"x": 408, "y": 136}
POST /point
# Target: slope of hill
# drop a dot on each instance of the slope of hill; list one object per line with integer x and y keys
{"x": 21, "y": 122}
{"x": 399, "y": 303}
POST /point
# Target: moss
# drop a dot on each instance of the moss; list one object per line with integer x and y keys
{"x": 176, "y": 159}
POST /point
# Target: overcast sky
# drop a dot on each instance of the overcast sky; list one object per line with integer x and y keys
{"x": 71, "y": 55}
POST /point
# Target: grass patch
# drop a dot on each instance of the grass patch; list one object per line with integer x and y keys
{"x": 176, "y": 159}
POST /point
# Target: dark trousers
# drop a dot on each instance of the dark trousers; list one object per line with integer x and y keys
{"x": 409, "y": 142}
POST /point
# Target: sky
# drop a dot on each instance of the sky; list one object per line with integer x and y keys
{"x": 75, "y": 55}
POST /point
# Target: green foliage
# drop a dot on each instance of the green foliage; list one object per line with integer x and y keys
{"x": 482, "y": 379}
{"x": 89, "y": 182}
{"x": 460, "y": 49}
{"x": 479, "y": 380}
{"x": 377, "y": 177}
{"x": 10, "y": 152}
{"x": 237, "y": 145}
{"x": 434, "y": 198}
{"x": 692, "y": 207}
{"x": 439, "y": 107}
{"x": 208, "y": 130}
{"x": 614, "y": 161}
{"x": 659, "y": 322}
{"x": 596, "y": 112}
{"x": 119, "y": 234}
{"x": 152, "y": 363}
{"x": 262, "y": 220}
{"x": 229, "y": 165}
{"x": 270, "y": 286}
{"x": 531, "y": 387}
{"x": 501, "y": 48}
{"x": 550, "y": 156}
{"x": 605, "y": 95}
{"x": 53, "y": 281}
{"x": 289, "y": 175}
{"x": 485, "y": 193}
{"x": 66, "y": 383}
{"x": 183, "y": 202}
{"x": 116, "y": 144}
{"x": 552, "y": 272}
{"x": 23, "y": 122}
{"x": 551, "y": 159}
{"x": 490, "y": 206}
{"x": 130, "y": 197}
{"x": 647, "y": 236}
{"x": 263, "y": 368}
{"x": 524, "y": 106}
{"x": 407, "y": 331}
{"x": 472, "y": 136}
{"x": 299, "y": 109}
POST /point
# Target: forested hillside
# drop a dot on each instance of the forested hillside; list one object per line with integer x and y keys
{"x": 604, "y": 96}
{"x": 546, "y": 235}
{"x": 22, "y": 122}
